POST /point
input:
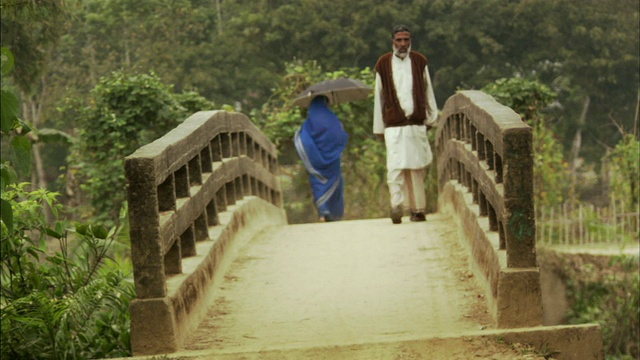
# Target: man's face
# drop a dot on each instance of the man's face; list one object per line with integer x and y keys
{"x": 401, "y": 43}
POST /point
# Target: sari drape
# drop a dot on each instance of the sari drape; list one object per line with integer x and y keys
{"x": 320, "y": 142}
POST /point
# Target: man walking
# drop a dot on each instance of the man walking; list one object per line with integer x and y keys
{"x": 404, "y": 108}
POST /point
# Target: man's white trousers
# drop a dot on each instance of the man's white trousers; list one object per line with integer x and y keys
{"x": 406, "y": 187}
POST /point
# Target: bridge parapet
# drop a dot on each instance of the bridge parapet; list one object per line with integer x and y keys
{"x": 485, "y": 170}
{"x": 487, "y": 148}
{"x": 190, "y": 193}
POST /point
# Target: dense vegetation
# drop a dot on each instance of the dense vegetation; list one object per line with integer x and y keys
{"x": 84, "y": 83}
{"x": 235, "y": 53}
{"x": 65, "y": 289}
{"x": 603, "y": 290}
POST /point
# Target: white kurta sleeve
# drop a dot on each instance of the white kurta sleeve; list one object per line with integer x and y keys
{"x": 432, "y": 115}
{"x": 378, "y": 124}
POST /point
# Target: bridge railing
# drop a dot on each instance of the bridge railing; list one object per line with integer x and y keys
{"x": 485, "y": 149}
{"x": 178, "y": 187}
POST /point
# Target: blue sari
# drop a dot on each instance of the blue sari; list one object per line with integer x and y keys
{"x": 320, "y": 142}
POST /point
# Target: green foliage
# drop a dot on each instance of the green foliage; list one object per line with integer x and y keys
{"x": 62, "y": 296}
{"x": 624, "y": 169}
{"x": 125, "y": 112}
{"x": 11, "y": 126}
{"x": 192, "y": 102}
{"x": 60, "y": 299}
{"x": 31, "y": 29}
{"x": 235, "y": 54}
{"x": 526, "y": 97}
{"x": 529, "y": 98}
{"x": 19, "y": 146}
{"x": 9, "y": 101}
{"x": 585, "y": 48}
{"x": 550, "y": 169}
{"x": 607, "y": 294}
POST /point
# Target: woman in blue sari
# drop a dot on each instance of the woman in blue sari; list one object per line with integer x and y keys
{"x": 320, "y": 142}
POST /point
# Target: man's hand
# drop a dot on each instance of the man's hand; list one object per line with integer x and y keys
{"x": 380, "y": 137}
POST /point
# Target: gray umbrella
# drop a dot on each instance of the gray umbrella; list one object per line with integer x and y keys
{"x": 338, "y": 91}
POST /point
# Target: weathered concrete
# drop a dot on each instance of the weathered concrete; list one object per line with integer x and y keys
{"x": 488, "y": 148}
{"x": 514, "y": 294}
{"x": 363, "y": 289}
{"x": 183, "y": 192}
{"x": 485, "y": 168}
{"x": 568, "y": 342}
{"x": 581, "y": 342}
{"x": 341, "y": 283}
{"x": 161, "y": 325}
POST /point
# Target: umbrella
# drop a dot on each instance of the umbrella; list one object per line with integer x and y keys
{"x": 337, "y": 90}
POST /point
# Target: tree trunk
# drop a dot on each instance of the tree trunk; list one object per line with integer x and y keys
{"x": 32, "y": 112}
{"x": 219, "y": 13}
{"x": 636, "y": 130}
{"x": 576, "y": 146}
{"x": 127, "y": 55}
{"x": 92, "y": 61}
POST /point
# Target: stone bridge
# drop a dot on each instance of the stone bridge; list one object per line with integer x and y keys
{"x": 209, "y": 233}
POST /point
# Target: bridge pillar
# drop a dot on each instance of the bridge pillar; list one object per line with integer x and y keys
{"x": 519, "y": 301}
{"x": 153, "y": 328}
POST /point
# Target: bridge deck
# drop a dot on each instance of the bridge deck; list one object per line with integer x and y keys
{"x": 342, "y": 283}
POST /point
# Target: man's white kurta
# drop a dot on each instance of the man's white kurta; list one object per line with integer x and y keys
{"x": 407, "y": 146}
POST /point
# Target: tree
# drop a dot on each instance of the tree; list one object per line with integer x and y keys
{"x": 624, "y": 167}
{"x": 170, "y": 38}
{"x": 530, "y": 98}
{"x": 234, "y": 52}
{"x": 53, "y": 305}
{"x": 12, "y": 129}
{"x": 583, "y": 49}
{"x": 31, "y": 30}
{"x": 125, "y": 112}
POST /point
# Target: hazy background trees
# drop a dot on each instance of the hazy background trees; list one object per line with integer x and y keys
{"x": 235, "y": 53}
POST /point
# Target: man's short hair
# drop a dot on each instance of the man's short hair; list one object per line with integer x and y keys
{"x": 400, "y": 28}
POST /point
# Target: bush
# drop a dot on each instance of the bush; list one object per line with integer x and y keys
{"x": 60, "y": 299}
{"x": 125, "y": 112}
{"x": 607, "y": 293}
{"x": 67, "y": 303}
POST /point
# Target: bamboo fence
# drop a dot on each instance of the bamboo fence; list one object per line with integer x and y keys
{"x": 581, "y": 224}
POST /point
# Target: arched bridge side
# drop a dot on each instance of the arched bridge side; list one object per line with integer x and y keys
{"x": 485, "y": 170}
{"x": 190, "y": 194}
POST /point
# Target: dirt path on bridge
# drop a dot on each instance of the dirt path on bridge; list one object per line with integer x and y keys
{"x": 305, "y": 291}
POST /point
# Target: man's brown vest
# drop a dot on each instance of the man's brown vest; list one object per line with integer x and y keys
{"x": 392, "y": 113}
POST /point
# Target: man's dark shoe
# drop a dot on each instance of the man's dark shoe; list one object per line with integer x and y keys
{"x": 396, "y": 215}
{"x": 417, "y": 216}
